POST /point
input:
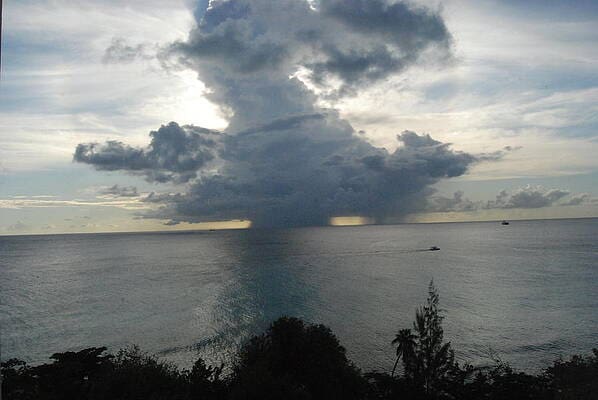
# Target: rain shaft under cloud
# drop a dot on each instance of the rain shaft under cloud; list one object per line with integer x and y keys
{"x": 283, "y": 160}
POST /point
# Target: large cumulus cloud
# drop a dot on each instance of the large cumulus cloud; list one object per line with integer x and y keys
{"x": 289, "y": 173}
{"x": 283, "y": 160}
{"x": 245, "y": 50}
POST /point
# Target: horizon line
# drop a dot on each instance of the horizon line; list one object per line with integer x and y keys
{"x": 287, "y": 227}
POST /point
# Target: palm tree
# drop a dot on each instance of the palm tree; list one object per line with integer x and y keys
{"x": 405, "y": 341}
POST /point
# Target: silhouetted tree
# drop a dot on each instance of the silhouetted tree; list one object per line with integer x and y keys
{"x": 576, "y": 378}
{"x": 137, "y": 375}
{"x": 205, "y": 381}
{"x": 295, "y": 360}
{"x": 426, "y": 359}
{"x": 18, "y": 381}
{"x": 72, "y": 374}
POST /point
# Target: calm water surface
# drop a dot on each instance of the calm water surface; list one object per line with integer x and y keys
{"x": 527, "y": 292}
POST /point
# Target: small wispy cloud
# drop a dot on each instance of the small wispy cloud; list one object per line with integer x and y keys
{"x": 17, "y": 227}
{"x": 120, "y": 51}
{"x": 21, "y": 203}
{"x": 116, "y": 191}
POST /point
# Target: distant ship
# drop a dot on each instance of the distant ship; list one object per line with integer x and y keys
{"x": 434, "y": 248}
{"x": 505, "y": 223}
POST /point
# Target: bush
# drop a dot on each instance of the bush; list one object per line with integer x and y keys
{"x": 574, "y": 379}
{"x": 136, "y": 375}
{"x": 295, "y": 360}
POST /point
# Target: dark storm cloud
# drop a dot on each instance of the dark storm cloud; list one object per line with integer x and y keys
{"x": 355, "y": 42}
{"x": 233, "y": 44}
{"x": 397, "y": 22}
{"x": 388, "y": 37}
{"x": 119, "y": 191}
{"x": 290, "y": 122}
{"x": 297, "y": 176}
{"x": 175, "y": 154}
{"x": 283, "y": 160}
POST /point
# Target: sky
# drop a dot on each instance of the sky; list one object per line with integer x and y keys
{"x": 152, "y": 115}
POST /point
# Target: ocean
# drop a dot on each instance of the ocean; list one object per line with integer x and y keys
{"x": 526, "y": 293}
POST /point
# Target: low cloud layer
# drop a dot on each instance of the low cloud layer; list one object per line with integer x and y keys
{"x": 132, "y": 203}
{"x": 580, "y": 199}
{"x": 284, "y": 160}
{"x": 527, "y": 197}
{"x": 119, "y": 191}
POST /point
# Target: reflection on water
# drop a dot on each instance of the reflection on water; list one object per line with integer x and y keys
{"x": 527, "y": 292}
{"x": 262, "y": 284}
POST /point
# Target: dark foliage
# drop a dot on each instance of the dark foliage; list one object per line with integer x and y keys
{"x": 293, "y": 360}
{"x": 92, "y": 374}
{"x": 576, "y": 378}
{"x": 427, "y": 361}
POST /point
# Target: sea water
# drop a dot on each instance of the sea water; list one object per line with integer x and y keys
{"x": 526, "y": 293}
